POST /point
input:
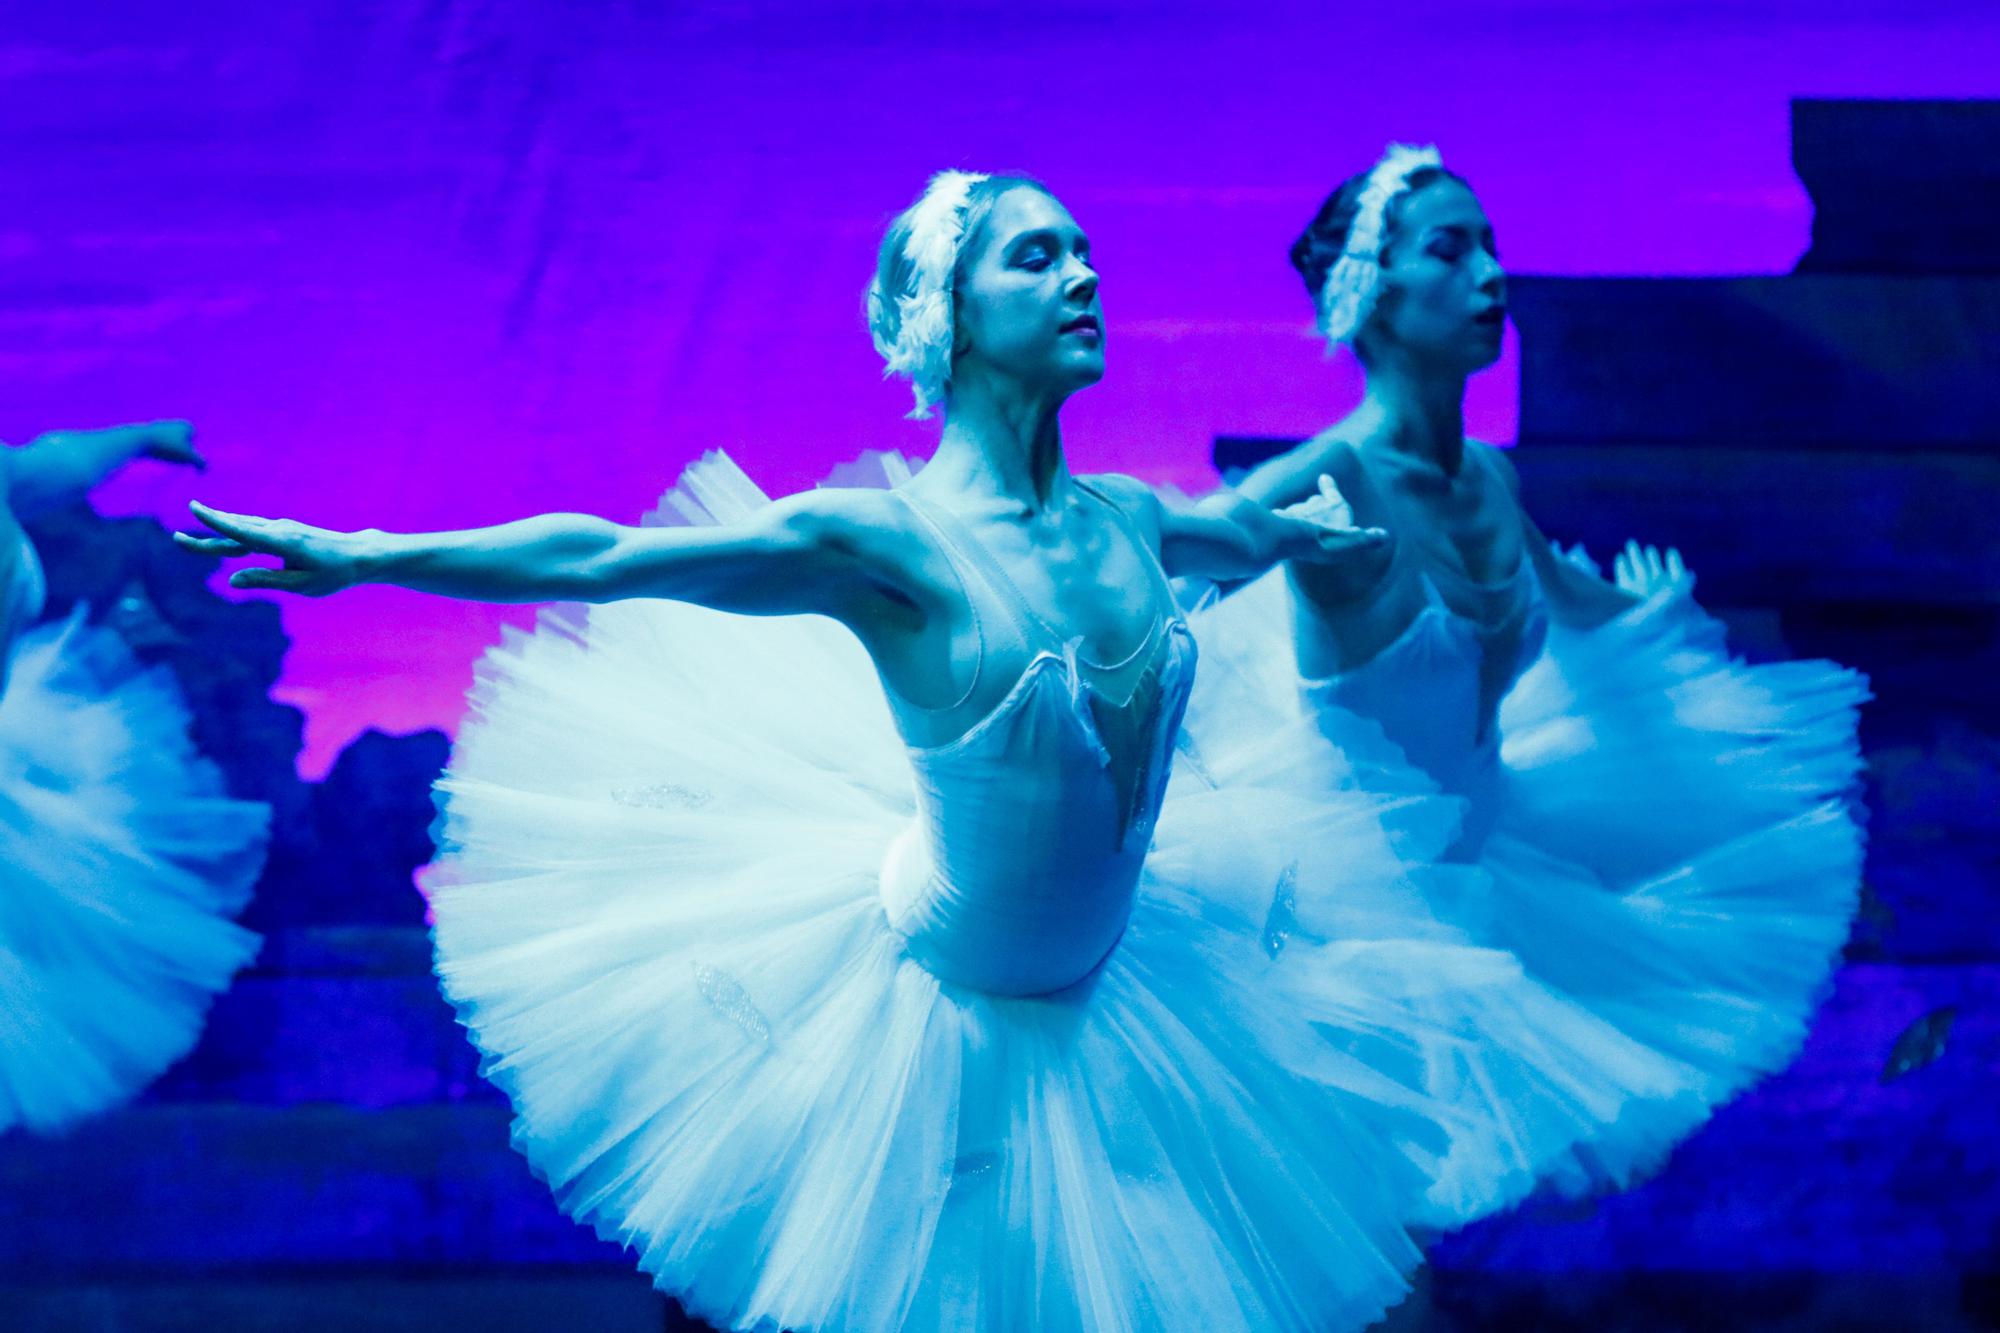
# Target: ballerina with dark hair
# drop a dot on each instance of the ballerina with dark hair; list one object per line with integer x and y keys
{"x": 122, "y": 859}
{"x": 1669, "y": 836}
{"x": 820, "y": 897}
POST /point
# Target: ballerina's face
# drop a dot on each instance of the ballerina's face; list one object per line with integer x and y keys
{"x": 1444, "y": 293}
{"x": 1027, "y": 302}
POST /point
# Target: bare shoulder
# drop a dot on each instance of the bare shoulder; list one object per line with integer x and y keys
{"x": 1134, "y": 497}
{"x": 1502, "y": 465}
{"x": 860, "y": 537}
{"x": 854, "y": 519}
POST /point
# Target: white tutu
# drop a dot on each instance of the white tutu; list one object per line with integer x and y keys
{"x": 1541, "y": 1078}
{"x": 657, "y": 912}
{"x": 1665, "y": 839}
{"x": 121, "y": 862}
{"x": 1699, "y": 817}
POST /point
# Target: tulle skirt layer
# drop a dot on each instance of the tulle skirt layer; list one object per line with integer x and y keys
{"x": 122, "y": 861}
{"x": 1678, "y": 840}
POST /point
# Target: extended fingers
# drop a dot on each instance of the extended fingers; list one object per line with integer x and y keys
{"x": 282, "y": 580}
{"x": 1333, "y": 538}
{"x": 1642, "y": 564}
{"x": 1647, "y": 569}
{"x": 222, "y": 546}
{"x": 251, "y": 532}
{"x": 1327, "y": 506}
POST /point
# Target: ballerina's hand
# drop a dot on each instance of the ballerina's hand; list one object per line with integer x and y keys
{"x": 316, "y": 561}
{"x": 168, "y": 441}
{"x": 1328, "y": 534}
{"x": 1644, "y": 572}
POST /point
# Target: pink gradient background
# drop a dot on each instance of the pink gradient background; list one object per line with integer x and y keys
{"x": 421, "y": 265}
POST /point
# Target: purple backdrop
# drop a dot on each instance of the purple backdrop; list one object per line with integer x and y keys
{"x": 442, "y": 262}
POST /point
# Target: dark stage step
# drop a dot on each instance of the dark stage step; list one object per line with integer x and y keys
{"x": 1802, "y": 360}
{"x": 589, "y": 1302}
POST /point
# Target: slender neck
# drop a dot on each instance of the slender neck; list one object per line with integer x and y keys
{"x": 1003, "y": 442}
{"x": 1421, "y": 409}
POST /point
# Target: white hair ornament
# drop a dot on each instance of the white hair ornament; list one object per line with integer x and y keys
{"x": 923, "y": 323}
{"x": 1348, "y": 295}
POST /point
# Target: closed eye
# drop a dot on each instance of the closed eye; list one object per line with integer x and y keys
{"x": 1038, "y": 250}
{"x": 1452, "y": 242}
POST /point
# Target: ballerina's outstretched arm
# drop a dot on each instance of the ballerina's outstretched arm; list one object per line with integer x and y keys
{"x": 1227, "y": 536}
{"x": 62, "y": 466}
{"x": 807, "y": 553}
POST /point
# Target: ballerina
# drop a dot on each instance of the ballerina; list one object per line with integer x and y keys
{"x": 1669, "y": 835}
{"x": 820, "y": 899}
{"x": 122, "y": 860}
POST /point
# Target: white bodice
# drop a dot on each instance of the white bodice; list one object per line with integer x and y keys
{"x": 1436, "y": 689}
{"x": 1019, "y": 875}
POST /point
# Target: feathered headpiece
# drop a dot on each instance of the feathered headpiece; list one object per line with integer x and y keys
{"x": 1349, "y": 292}
{"x": 913, "y": 327}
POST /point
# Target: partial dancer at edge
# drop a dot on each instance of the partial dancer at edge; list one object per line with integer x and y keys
{"x": 122, "y": 859}
{"x": 848, "y": 956}
{"x": 1671, "y": 835}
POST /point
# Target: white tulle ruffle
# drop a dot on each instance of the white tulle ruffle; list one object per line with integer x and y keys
{"x": 121, "y": 863}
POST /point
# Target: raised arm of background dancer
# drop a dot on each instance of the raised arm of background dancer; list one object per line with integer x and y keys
{"x": 62, "y": 466}
{"x": 1576, "y": 596}
{"x": 813, "y": 552}
{"x": 1226, "y": 536}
